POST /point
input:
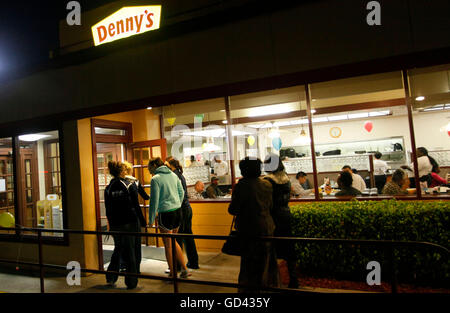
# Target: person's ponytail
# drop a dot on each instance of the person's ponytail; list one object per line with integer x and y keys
{"x": 176, "y": 164}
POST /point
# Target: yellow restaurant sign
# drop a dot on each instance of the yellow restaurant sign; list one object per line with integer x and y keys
{"x": 127, "y": 22}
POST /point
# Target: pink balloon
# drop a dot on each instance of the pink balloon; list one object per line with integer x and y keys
{"x": 368, "y": 126}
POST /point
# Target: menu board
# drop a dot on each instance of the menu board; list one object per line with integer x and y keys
{"x": 196, "y": 173}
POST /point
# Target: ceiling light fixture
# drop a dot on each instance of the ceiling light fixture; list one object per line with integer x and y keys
{"x": 33, "y": 137}
{"x": 420, "y": 98}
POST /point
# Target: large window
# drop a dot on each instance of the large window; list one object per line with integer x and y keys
{"x": 39, "y": 184}
{"x": 196, "y": 135}
{"x": 430, "y": 99}
{"x": 7, "y": 200}
{"x": 354, "y": 121}
{"x": 274, "y": 122}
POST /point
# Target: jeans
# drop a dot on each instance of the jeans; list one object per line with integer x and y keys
{"x": 127, "y": 249}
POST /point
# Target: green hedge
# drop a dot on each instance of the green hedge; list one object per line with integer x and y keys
{"x": 378, "y": 220}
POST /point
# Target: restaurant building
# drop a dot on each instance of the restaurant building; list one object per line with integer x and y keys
{"x": 312, "y": 81}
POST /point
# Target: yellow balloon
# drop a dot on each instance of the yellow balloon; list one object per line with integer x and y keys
{"x": 251, "y": 140}
{"x": 171, "y": 120}
{"x": 7, "y": 220}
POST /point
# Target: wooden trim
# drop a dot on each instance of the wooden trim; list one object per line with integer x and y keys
{"x": 408, "y": 104}
{"x": 156, "y": 142}
{"x": 230, "y": 142}
{"x": 371, "y": 173}
{"x": 311, "y": 135}
{"x": 96, "y": 196}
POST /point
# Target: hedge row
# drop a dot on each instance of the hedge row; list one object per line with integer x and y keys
{"x": 374, "y": 220}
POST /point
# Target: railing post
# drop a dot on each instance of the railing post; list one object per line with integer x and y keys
{"x": 393, "y": 270}
{"x": 174, "y": 265}
{"x": 41, "y": 267}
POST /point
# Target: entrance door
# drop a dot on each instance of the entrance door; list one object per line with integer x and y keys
{"x": 109, "y": 139}
{"x": 142, "y": 153}
{"x": 28, "y": 184}
{"x": 106, "y": 152}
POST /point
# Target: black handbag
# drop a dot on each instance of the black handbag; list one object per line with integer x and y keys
{"x": 232, "y": 245}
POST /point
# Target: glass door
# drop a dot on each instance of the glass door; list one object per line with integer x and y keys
{"x": 106, "y": 152}
{"x": 142, "y": 153}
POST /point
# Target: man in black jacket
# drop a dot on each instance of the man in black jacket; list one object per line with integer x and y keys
{"x": 120, "y": 204}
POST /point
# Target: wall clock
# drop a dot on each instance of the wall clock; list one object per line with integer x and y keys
{"x": 335, "y": 132}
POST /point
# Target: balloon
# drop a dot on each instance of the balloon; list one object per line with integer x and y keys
{"x": 277, "y": 143}
{"x": 368, "y": 126}
{"x": 7, "y": 220}
{"x": 251, "y": 140}
{"x": 171, "y": 120}
{"x": 448, "y": 132}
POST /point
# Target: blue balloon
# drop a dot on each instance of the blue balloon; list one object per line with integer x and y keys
{"x": 277, "y": 143}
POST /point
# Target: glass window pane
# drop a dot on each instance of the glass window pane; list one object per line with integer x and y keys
{"x": 39, "y": 154}
{"x": 110, "y": 131}
{"x": 355, "y": 120}
{"x": 430, "y": 98}
{"x": 6, "y": 179}
{"x": 196, "y": 131}
{"x": 272, "y": 122}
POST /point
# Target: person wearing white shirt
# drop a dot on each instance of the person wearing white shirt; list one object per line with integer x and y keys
{"x": 358, "y": 181}
{"x": 220, "y": 167}
{"x": 424, "y": 165}
{"x": 380, "y": 168}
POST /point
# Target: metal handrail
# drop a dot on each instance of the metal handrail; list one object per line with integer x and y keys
{"x": 391, "y": 244}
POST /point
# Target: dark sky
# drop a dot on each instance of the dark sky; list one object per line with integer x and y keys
{"x": 29, "y": 29}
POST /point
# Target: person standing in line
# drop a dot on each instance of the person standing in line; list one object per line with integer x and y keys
{"x": 186, "y": 219}
{"x": 251, "y": 203}
{"x": 281, "y": 213}
{"x": 138, "y": 190}
{"x": 166, "y": 197}
{"x": 122, "y": 216}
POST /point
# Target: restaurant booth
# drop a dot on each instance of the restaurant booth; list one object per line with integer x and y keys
{"x": 228, "y": 81}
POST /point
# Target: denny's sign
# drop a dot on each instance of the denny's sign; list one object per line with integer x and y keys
{"x": 127, "y": 22}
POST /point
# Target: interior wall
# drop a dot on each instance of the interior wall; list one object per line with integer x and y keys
{"x": 146, "y": 124}
{"x": 427, "y": 129}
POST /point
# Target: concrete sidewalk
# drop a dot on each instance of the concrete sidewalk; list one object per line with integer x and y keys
{"x": 213, "y": 267}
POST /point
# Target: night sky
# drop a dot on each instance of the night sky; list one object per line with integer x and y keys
{"x": 29, "y": 29}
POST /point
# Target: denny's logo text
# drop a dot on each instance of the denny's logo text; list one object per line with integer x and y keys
{"x": 126, "y": 22}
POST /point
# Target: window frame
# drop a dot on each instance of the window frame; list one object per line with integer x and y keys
{"x": 33, "y": 238}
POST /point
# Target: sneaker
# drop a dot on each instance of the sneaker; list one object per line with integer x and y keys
{"x": 185, "y": 274}
{"x": 111, "y": 284}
